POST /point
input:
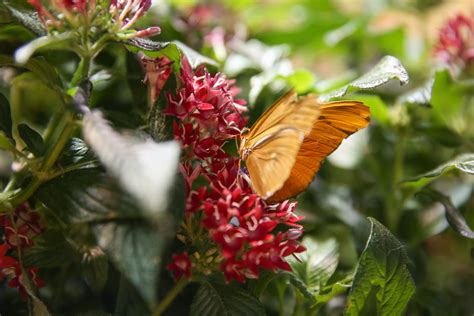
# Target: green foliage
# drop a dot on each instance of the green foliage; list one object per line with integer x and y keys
{"x": 382, "y": 284}
{"x": 102, "y": 253}
{"x": 217, "y": 298}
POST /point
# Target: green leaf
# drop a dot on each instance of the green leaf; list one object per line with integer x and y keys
{"x": 173, "y": 50}
{"x": 336, "y": 289}
{"x": 95, "y": 267}
{"x": 387, "y": 69}
{"x": 463, "y": 162}
{"x": 45, "y": 72}
{"x": 51, "y": 250}
{"x": 301, "y": 80}
{"x": 420, "y": 95}
{"x": 32, "y": 139}
{"x": 6, "y": 143}
{"x": 219, "y": 299}
{"x": 61, "y": 41}
{"x": 447, "y": 100}
{"x": 315, "y": 266}
{"x": 442, "y": 135}
{"x": 5, "y": 117}
{"x": 258, "y": 286}
{"x": 27, "y": 18}
{"x": 129, "y": 301}
{"x": 91, "y": 197}
{"x": 135, "y": 247}
{"x": 382, "y": 284}
{"x": 454, "y": 217}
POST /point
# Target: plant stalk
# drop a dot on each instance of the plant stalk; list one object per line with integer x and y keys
{"x": 170, "y": 296}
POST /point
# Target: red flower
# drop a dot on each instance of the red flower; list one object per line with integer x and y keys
{"x": 158, "y": 71}
{"x": 27, "y": 226}
{"x": 180, "y": 266}
{"x": 456, "y": 42}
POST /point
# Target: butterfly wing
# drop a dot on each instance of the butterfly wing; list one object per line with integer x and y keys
{"x": 274, "y": 114}
{"x": 337, "y": 121}
{"x": 274, "y": 144}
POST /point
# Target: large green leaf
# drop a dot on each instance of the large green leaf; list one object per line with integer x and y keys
{"x": 385, "y": 70}
{"x": 315, "y": 266}
{"x": 91, "y": 197}
{"x": 219, "y": 299}
{"x": 382, "y": 284}
{"x": 463, "y": 162}
{"x": 135, "y": 247}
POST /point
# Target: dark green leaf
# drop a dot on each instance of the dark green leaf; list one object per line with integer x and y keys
{"x": 50, "y": 250}
{"x": 27, "y": 18}
{"x": 172, "y": 50}
{"x": 454, "y": 217}
{"x": 5, "y": 117}
{"x": 382, "y": 284}
{"x": 46, "y": 73}
{"x": 135, "y": 247}
{"x": 95, "y": 267}
{"x": 60, "y": 41}
{"x": 219, "y": 299}
{"x": 87, "y": 195}
{"x": 77, "y": 153}
{"x": 132, "y": 243}
{"x": 315, "y": 266}
{"x": 129, "y": 301}
{"x": 463, "y": 162}
{"x": 443, "y": 135}
{"x": 258, "y": 286}
{"x": 32, "y": 139}
{"x": 387, "y": 69}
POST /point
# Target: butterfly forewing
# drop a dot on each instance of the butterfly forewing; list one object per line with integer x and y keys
{"x": 273, "y": 142}
{"x": 337, "y": 121}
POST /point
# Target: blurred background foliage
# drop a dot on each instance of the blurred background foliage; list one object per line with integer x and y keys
{"x": 317, "y": 46}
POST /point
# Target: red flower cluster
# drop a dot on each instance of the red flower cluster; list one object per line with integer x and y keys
{"x": 18, "y": 234}
{"x": 238, "y": 220}
{"x": 456, "y": 42}
{"x": 124, "y": 12}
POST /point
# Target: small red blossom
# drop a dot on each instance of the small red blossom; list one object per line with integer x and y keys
{"x": 17, "y": 281}
{"x": 456, "y": 42}
{"x": 180, "y": 266}
{"x": 157, "y": 71}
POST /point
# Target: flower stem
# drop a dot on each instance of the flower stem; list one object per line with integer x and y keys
{"x": 393, "y": 201}
{"x": 59, "y": 133}
{"x": 168, "y": 299}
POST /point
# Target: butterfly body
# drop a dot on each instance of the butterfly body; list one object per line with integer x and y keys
{"x": 284, "y": 149}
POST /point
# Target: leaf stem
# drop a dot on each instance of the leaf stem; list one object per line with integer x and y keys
{"x": 170, "y": 296}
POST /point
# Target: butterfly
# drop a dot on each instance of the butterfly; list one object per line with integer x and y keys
{"x": 285, "y": 147}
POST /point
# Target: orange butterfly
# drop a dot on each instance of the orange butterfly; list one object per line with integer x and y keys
{"x": 285, "y": 147}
